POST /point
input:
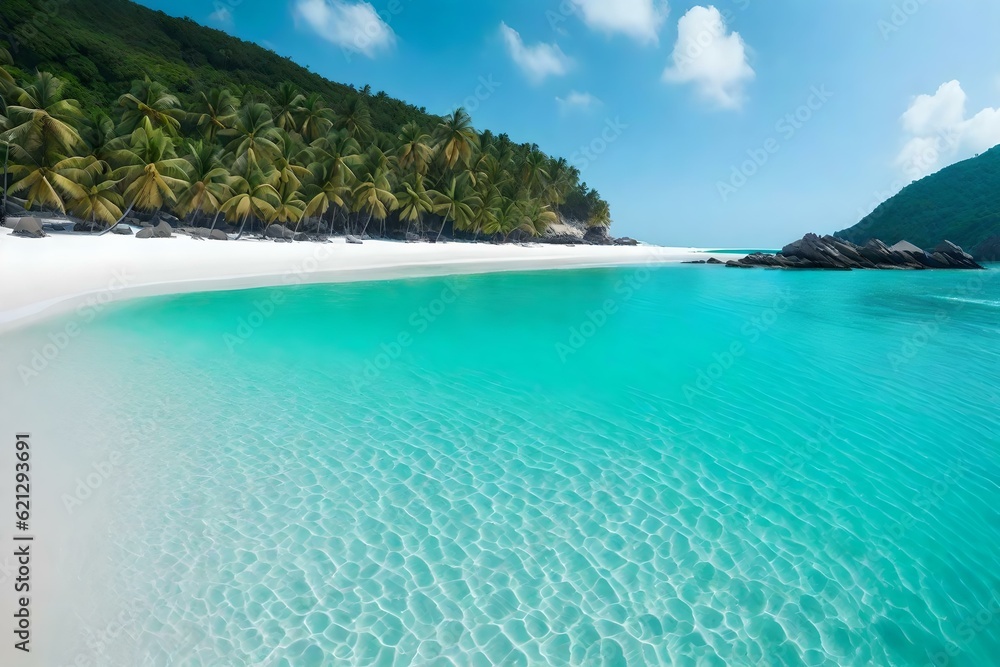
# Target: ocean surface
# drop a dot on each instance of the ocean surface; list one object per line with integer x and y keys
{"x": 685, "y": 465}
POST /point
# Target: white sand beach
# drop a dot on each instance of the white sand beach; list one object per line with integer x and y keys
{"x": 62, "y": 272}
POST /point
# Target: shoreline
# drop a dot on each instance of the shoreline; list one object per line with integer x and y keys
{"x": 44, "y": 278}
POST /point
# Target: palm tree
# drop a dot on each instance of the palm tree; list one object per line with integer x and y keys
{"x": 534, "y": 175}
{"x": 254, "y": 198}
{"x": 491, "y": 200}
{"x": 214, "y": 112}
{"x": 374, "y": 195}
{"x": 287, "y": 104}
{"x": 255, "y": 137}
{"x": 356, "y": 119}
{"x": 5, "y": 59}
{"x": 207, "y": 182}
{"x": 40, "y": 116}
{"x": 536, "y": 217}
{"x": 149, "y": 105}
{"x": 456, "y": 202}
{"x": 415, "y": 200}
{"x": 600, "y": 214}
{"x": 94, "y": 195}
{"x": 150, "y": 170}
{"x": 286, "y": 161}
{"x": 456, "y": 139}
{"x": 44, "y": 175}
{"x": 562, "y": 180}
{"x": 313, "y": 119}
{"x": 415, "y": 150}
{"x": 289, "y": 206}
{"x": 506, "y": 218}
{"x": 327, "y": 188}
{"x": 101, "y": 138}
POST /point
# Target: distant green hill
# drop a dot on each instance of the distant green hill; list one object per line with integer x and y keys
{"x": 100, "y": 46}
{"x": 960, "y": 203}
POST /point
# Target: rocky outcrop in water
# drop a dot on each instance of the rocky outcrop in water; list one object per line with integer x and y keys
{"x": 828, "y": 252}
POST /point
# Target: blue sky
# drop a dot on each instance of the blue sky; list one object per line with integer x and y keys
{"x": 744, "y": 124}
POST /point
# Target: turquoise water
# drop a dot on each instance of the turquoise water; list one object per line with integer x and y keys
{"x": 673, "y": 466}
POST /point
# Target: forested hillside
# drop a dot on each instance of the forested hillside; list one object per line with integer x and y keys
{"x": 960, "y": 203}
{"x": 98, "y": 47}
{"x": 108, "y": 107}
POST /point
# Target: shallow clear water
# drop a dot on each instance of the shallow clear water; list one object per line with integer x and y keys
{"x": 675, "y": 466}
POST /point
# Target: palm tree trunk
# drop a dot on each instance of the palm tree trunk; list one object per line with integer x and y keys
{"x": 124, "y": 215}
{"x": 362, "y": 237}
{"x": 441, "y": 231}
{"x": 240, "y": 234}
{"x": 214, "y": 220}
{"x": 5, "y": 160}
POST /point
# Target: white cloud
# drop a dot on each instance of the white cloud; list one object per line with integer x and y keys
{"x": 222, "y": 16}
{"x": 938, "y": 133}
{"x": 538, "y": 61}
{"x": 710, "y": 57}
{"x": 577, "y": 102}
{"x": 354, "y": 26}
{"x": 640, "y": 19}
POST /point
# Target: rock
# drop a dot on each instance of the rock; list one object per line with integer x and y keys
{"x": 301, "y": 236}
{"x": 412, "y": 238}
{"x": 122, "y": 229}
{"x": 700, "y": 261}
{"x": 828, "y": 252}
{"x": 598, "y": 236}
{"x": 162, "y": 217}
{"x": 11, "y": 222}
{"x": 29, "y": 228}
{"x": 353, "y": 240}
{"x": 626, "y": 241}
{"x": 733, "y": 264}
{"x": 88, "y": 226}
{"x": 988, "y": 250}
{"x": 144, "y": 233}
{"x": 163, "y": 231}
{"x": 905, "y": 246}
{"x": 200, "y": 232}
{"x": 218, "y": 235}
{"x": 278, "y": 232}
{"x": 712, "y": 260}
{"x": 56, "y": 227}
{"x": 560, "y": 239}
{"x": 949, "y": 252}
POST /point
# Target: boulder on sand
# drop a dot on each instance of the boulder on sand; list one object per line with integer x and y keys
{"x": 278, "y": 232}
{"x": 162, "y": 230}
{"x": 353, "y": 240}
{"x": 218, "y": 235}
{"x": 598, "y": 236}
{"x": 122, "y": 228}
{"x": 30, "y": 228}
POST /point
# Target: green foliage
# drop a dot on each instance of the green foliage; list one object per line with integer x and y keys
{"x": 960, "y": 203}
{"x": 109, "y": 104}
{"x": 99, "y": 47}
